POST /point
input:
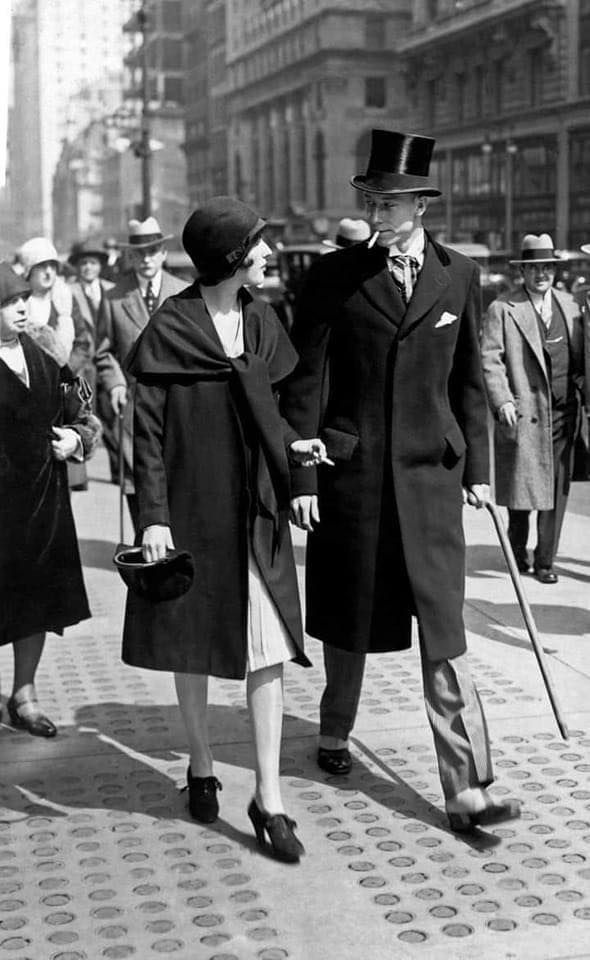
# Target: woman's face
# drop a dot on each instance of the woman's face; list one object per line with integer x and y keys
{"x": 43, "y": 276}
{"x": 13, "y": 318}
{"x": 257, "y": 257}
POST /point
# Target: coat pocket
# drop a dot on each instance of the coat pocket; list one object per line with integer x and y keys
{"x": 339, "y": 444}
{"x": 455, "y": 445}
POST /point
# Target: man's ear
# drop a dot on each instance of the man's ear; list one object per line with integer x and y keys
{"x": 421, "y": 205}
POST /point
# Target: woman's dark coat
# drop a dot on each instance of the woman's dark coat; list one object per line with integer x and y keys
{"x": 41, "y": 585}
{"x": 210, "y": 461}
{"x": 397, "y": 395}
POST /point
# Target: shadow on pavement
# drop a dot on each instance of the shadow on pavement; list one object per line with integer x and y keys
{"x": 114, "y": 772}
{"x": 482, "y": 559}
{"x": 553, "y": 619}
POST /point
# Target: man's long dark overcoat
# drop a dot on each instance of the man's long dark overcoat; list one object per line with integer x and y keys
{"x": 41, "y": 585}
{"x": 198, "y": 468}
{"x": 397, "y": 394}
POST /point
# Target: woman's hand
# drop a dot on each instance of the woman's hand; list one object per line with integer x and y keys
{"x": 156, "y": 541}
{"x": 305, "y": 512}
{"x": 309, "y": 453}
{"x": 68, "y": 441}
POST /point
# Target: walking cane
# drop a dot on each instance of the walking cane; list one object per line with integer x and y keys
{"x": 121, "y": 479}
{"x": 528, "y": 618}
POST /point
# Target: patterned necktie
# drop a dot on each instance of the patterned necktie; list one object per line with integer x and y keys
{"x": 150, "y": 298}
{"x": 404, "y": 270}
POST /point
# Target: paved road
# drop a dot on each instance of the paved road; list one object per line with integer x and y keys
{"x": 98, "y": 857}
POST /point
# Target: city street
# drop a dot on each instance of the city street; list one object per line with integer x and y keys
{"x": 100, "y": 859}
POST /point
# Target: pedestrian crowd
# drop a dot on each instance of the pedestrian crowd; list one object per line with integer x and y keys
{"x": 367, "y": 425}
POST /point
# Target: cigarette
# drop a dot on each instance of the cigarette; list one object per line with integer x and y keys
{"x": 371, "y": 242}
{"x": 328, "y": 461}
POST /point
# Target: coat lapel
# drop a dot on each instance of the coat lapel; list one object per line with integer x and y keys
{"x": 378, "y": 286}
{"x": 525, "y": 318}
{"x": 432, "y": 282}
{"x": 134, "y": 306}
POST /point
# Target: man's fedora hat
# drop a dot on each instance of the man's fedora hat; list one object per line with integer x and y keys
{"x": 87, "y": 248}
{"x": 11, "y": 285}
{"x": 537, "y": 250}
{"x": 349, "y": 232}
{"x": 158, "y": 580}
{"x": 145, "y": 233}
{"x": 399, "y": 163}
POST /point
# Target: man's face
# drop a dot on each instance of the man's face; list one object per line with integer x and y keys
{"x": 89, "y": 268}
{"x": 148, "y": 261}
{"x": 395, "y": 216}
{"x": 13, "y": 318}
{"x": 538, "y": 277}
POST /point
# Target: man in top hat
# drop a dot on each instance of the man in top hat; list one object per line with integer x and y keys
{"x": 533, "y": 361}
{"x": 349, "y": 231}
{"x": 390, "y": 378}
{"x": 89, "y": 292}
{"x": 128, "y": 307}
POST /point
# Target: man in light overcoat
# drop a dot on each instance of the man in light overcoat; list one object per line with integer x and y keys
{"x": 533, "y": 361}
{"x": 128, "y": 308}
{"x": 390, "y": 377}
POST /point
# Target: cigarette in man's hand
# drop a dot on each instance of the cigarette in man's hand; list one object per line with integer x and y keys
{"x": 373, "y": 239}
{"x": 328, "y": 461}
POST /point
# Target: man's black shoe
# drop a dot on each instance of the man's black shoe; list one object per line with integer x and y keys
{"x": 523, "y": 566}
{"x": 546, "y": 575}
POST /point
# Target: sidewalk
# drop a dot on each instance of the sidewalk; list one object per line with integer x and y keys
{"x": 99, "y": 858}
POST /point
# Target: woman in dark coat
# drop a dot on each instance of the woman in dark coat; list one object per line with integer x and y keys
{"x": 212, "y": 476}
{"x": 45, "y": 419}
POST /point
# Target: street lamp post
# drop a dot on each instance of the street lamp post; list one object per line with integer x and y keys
{"x": 143, "y": 148}
{"x": 511, "y": 150}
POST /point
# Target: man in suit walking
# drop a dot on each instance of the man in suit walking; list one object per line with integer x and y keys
{"x": 533, "y": 362}
{"x": 128, "y": 307}
{"x": 89, "y": 293}
{"x": 390, "y": 376}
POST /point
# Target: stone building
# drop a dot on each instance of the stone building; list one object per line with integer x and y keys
{"x": 306, "y": 81}
{"x": 504, "y": 86}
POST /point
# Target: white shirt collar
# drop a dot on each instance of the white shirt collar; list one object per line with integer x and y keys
{"x": 156, "y": 284}
{"x": 541, "y": 301}
{"x": 416, "y": 248}
{"x": 13, "y": 355}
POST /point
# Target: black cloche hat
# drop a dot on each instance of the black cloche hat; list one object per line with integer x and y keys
{"x": 218, "y": 235}
{"x": 156, "y": 580}
{"x": 399, "y": 163}
{"x": 11, "y": 284}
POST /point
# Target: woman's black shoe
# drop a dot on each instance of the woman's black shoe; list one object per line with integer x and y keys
{"x": 279, "y": 829}
{"x": 31, "y": 719}
{"x": 202, "y": 797}
{"x": 336, "y": 762}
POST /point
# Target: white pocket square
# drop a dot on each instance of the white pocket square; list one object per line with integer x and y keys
{"x": 445, "y": 319}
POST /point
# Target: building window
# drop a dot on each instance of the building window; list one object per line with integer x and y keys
{"x": 320, "y": 170}
{"x": 478, "y": 91}
{"x": 497, "y": 78}
{"x": 375, "y": 92}
{"x": 173, "y": 89}
{"x": 172, "y": 16}
{"x": 460, "y": 97}
{"x": 535, "y": 77}
{"x": 585, "y": 48}
{"x": 432, "y": 9}
{"x": 375, "y": 33}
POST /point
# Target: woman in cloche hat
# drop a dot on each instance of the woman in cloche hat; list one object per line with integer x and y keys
{"x": 44, "y": 420}
{"x": 212, "y": 477}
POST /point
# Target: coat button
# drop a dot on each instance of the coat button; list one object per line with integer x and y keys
{"x": 533, "y": 420}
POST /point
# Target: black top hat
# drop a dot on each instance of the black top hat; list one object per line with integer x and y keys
{"x": 87, "y": 248}
{"x": 158, "y": 580}
{"x": 399, "y": 163}
{"x": 218, "y": 236}
{"x": 11, "y": 285}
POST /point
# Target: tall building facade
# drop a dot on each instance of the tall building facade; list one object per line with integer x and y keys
{"x": 306, "y": 81}
{"x": 66, "y": 61}
{"x": 504, "y": 86}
